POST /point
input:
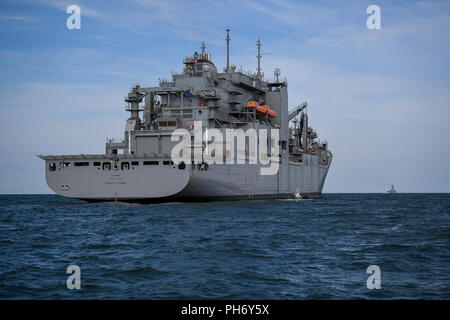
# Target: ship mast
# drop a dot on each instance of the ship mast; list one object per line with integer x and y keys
{"x": 203, "y": 49}
{"x": 228, "y": 51}
{"x": 258, "y": 74}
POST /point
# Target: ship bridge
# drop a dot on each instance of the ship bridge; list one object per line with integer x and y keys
{"x": 199, "y": 62}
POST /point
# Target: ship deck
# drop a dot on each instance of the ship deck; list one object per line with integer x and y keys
{"x": 99, "y": 156}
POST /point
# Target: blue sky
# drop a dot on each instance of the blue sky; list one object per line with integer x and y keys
{"x": 380, "y": 97}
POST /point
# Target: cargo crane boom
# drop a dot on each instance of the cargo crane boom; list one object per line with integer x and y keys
{"x": 297, "y": 110}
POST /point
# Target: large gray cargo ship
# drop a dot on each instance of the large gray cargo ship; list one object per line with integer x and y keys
{"x": 199, "y": 101}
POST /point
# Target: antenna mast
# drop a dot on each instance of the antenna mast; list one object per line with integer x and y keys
{"x": 228, "y": 51}
{"x": 203, "y": 49}
{"x": 258, "y": 74}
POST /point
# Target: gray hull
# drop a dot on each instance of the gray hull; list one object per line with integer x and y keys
{"x": 161, "y": 182}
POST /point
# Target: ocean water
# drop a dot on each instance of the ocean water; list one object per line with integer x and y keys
{"x": 305, "y": 249}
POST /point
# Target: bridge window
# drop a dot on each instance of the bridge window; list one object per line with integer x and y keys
{"x": 134, "y": 163}
{"x": 52, "y": 166}
{"x": 97, "y": 164}
{"x": 106, "y": 166}
{"x": 167, "y": 163}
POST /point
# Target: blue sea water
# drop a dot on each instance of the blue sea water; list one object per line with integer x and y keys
{"x": 306, "y": 249}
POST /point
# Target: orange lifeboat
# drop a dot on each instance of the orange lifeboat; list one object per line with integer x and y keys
{"x": 272, "y": 113}
{"x": 261, "y": 110}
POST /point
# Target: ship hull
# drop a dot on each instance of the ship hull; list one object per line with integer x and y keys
{"x": 162, "y": 183}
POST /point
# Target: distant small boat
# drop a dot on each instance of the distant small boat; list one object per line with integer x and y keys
{"x": 392, "y": 190}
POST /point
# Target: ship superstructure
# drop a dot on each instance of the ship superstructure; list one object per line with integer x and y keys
{"x": 141, "y": 166}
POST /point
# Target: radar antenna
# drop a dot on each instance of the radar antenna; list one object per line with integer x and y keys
{"x": 277, "y": 73}
{"x": 203, "y": 48}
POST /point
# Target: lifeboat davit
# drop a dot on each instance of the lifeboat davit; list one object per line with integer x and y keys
{"x": 261, "y": 110}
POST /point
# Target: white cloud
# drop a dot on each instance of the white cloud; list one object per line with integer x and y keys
{"x": 17, "y": 18}
{"x": 294, "y": 14}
